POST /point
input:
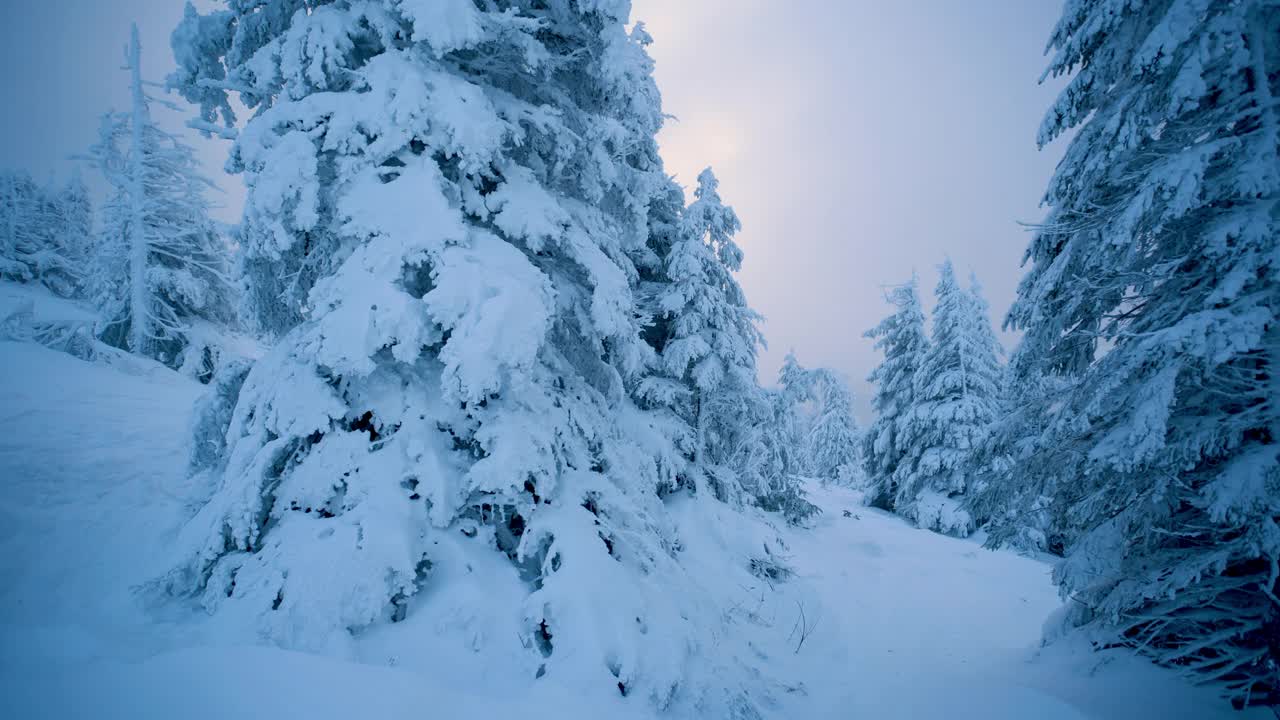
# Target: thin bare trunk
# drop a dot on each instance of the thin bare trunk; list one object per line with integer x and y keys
{"x": 140, "y": 333}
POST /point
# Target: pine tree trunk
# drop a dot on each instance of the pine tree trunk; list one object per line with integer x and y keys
{"x": 139, "y": 315}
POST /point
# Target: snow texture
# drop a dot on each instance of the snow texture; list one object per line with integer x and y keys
{"x": 95, "y": 460}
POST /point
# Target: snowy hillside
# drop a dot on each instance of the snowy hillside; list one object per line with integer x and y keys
{"x": 467, "y": 412}
{"x": 879, "y": 620}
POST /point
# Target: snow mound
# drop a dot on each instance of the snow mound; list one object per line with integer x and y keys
{"x": 936, "y": 511}
{"x": 31, "y": 312}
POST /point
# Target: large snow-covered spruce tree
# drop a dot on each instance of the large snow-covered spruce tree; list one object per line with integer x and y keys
{"x": 452, "y": 205}
{"x": 955, "y": 401}
{"x": 160, "y": 267}
{"x": 901, "y": 337}
{"x": 1153, "y": 286}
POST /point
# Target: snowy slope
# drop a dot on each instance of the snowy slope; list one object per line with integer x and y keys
{"x": 44, "y": 306}
{"x": 916, "y": 624}
{"x": 92, "y": 461}
{"x": 900, "y": 622}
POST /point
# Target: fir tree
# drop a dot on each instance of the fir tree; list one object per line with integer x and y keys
{"x": 75, "y": 226}
{"x": 714, "y": 336}
{"x": 767, "y": 452}
{"x": 955, "y": 401}
{"x": 459, "y": 206}
{"x": 796, "y": 394}
{"x": 1153, "y": 290}
{"x": 770, "y": 458}
{"x": 833, "y": 441}
{"x": 1015, "y": 512}
{"x": 708, "y": 357}
{"x": 160, "y": 267}
{"x": 901, "y": 337}
{"x": 43, "y": 233}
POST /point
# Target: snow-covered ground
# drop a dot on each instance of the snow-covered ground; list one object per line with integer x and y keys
{"x": 916, "y": 624}
{"x": 881, "y": 620}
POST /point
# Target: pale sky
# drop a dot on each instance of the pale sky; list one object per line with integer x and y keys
{"x": 857, "y": 140}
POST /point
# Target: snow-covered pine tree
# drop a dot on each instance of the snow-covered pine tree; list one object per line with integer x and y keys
{"x": 15, "y": 204}
{"x": 987, "y": 362}
{"x": 795, "y": 380}
{"x": 901, "y": 337}
{"x": 1013, "y": 511}
{"x": 43, "y": 233}
{"x": 160, "y": 267}
{"x": 769, "y": 454}
{"x": 833, "y": 441}
{"x": 708, "y": 356}
{"x": 797, "y": 391}
{"x": 456, "y": 201}
{"x": 1154, "y": 287}
{"x": 990, "y": 457}
{"x": 956, "y": 399}
{"x": 75, "y": 227}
